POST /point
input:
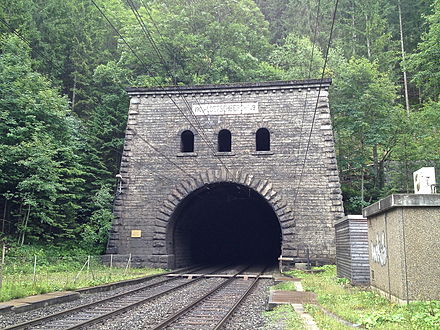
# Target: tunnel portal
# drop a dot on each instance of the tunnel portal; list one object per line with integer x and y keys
{"x": 224, "y": 223}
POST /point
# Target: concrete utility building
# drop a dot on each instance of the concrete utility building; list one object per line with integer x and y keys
{"x": 218, "y": 173}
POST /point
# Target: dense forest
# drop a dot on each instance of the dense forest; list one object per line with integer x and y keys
{"x": 64, "y": 65}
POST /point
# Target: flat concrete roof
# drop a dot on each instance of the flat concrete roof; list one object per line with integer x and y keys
{"x": 402, "y": 200}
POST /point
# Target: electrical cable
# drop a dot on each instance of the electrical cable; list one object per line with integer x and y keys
{"x": 317, "y": 100}
{"x": 27, "y": 42}
{"x": 151, "y": 40}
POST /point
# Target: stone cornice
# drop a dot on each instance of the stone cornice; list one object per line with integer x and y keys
{"x": 235, "y": 88}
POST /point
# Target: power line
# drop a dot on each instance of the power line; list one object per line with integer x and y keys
{"x": 317, "y": 99}
{"x": 310, "y": 74}
{"x": 151, "y": 74}
{"x": 150, "y": 38}
{"x": 27, "y": 42}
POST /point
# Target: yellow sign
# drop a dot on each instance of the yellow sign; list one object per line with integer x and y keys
{"x": 136, "y": 233}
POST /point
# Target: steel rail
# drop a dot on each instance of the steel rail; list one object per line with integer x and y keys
{"x": 239, "y": 301}
{"x": 190, "y": 307}
{"x": 56, "y": 316}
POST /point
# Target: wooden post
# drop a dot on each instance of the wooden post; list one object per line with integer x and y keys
{"x": 35, "y": 269}
{"x": 3, "y": 253}
{"x": 128, "y": 264}
{"x": 111, "y": 261}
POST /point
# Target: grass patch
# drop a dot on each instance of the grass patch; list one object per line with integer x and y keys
{"x": 60, "y": 274}
{"x": 365, "y": 307}
{"x": 288, "y": 285}
{"x": 323, "y": 321}
{"x": 284, "y": 316}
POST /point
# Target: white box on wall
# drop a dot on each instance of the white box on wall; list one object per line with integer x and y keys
{"x": 424, "y": 180}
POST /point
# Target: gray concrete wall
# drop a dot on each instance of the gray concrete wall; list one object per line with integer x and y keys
{"x": 411, "y": 227}
{"x": 286, "y": 109}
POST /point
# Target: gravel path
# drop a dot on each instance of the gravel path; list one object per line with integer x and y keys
{"x": 11, "y": 318}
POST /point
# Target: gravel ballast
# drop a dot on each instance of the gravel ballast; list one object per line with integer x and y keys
{"x": 249, "y": 315}
{"x": 10, "y": 318}
{"x": 150, "y": 314}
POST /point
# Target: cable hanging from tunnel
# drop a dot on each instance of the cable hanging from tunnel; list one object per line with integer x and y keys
{"x": 150, "y": 39}
{"x": 158, "y": 84}
{"x": 317, "y": 101}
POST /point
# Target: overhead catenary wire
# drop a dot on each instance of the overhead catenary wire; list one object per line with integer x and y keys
{"x": 162, "y": 178}
{"x": 150, "y": 39}
{"x": 318, "y": 11}
{"x": 151, "y": 74}
{"x": 27, "y": 42}
{"x": 141, "y": 61}
{"x": 317, "y": 100}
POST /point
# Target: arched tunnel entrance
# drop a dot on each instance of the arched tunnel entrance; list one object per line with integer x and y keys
{"x": 224, "y": 223}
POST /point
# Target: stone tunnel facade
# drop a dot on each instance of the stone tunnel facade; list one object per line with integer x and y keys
{"x": 178, "y": 165}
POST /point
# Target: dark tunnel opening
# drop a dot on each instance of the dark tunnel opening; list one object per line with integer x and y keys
{"x": 225, "y": 223}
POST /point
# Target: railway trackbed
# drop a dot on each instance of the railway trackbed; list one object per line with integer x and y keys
{"x": 211, "y": 310}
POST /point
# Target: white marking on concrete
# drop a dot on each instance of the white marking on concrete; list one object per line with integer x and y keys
{"x": 308, "y": 320}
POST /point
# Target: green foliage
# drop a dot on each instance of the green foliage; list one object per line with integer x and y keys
{"x": 425, "y": 63}
{"x": 365, "y": 119}
{"x": 95, "y": 231}
{"x": 284, "y": 317}
{"x": 204, "y": 42}
{"x": 365, "y": 307}
{"x": 39, "y": 170}
{"x": 63, "y": 107}
{"x": 294, "y": 57}
{"x": 60, "y": 274}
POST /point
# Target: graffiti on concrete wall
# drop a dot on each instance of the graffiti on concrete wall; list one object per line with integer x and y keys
{"x": 379, "y": 249}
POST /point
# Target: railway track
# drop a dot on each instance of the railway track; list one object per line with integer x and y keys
{"x": 211, "y": 311}
{"x": 88, "y": 314}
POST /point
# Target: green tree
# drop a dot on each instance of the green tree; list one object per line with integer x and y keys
{"x": 425, "y": 63}
{"x": 366, "y": 121}
{"x": 295, "y": 59}
{"x": 39, "y": 172}
{"x": 202, "y": 42}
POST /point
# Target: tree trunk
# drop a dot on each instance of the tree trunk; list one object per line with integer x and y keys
{"x": 376, "y": 166}
{"x": 353, "y": 30}
{"x": 367, "y": 36}
{"x": 25, "y": 224}
{"x": 74, "y": 92}
{"x": 403, "y": 65}
{"x": 4, "y": 215}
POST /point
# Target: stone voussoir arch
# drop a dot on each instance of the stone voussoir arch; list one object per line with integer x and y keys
{"x": 186, "y": 187}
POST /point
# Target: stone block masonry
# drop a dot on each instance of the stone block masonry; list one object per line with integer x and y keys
{"x": 157, "y": 176}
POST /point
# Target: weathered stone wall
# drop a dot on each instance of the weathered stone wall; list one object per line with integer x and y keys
{"x": 154, "y": 183}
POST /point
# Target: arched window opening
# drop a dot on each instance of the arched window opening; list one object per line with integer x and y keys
{"x": 224, "y": 141}
{"x": 262, "y": 140}
{"x": 187, "y": 141}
